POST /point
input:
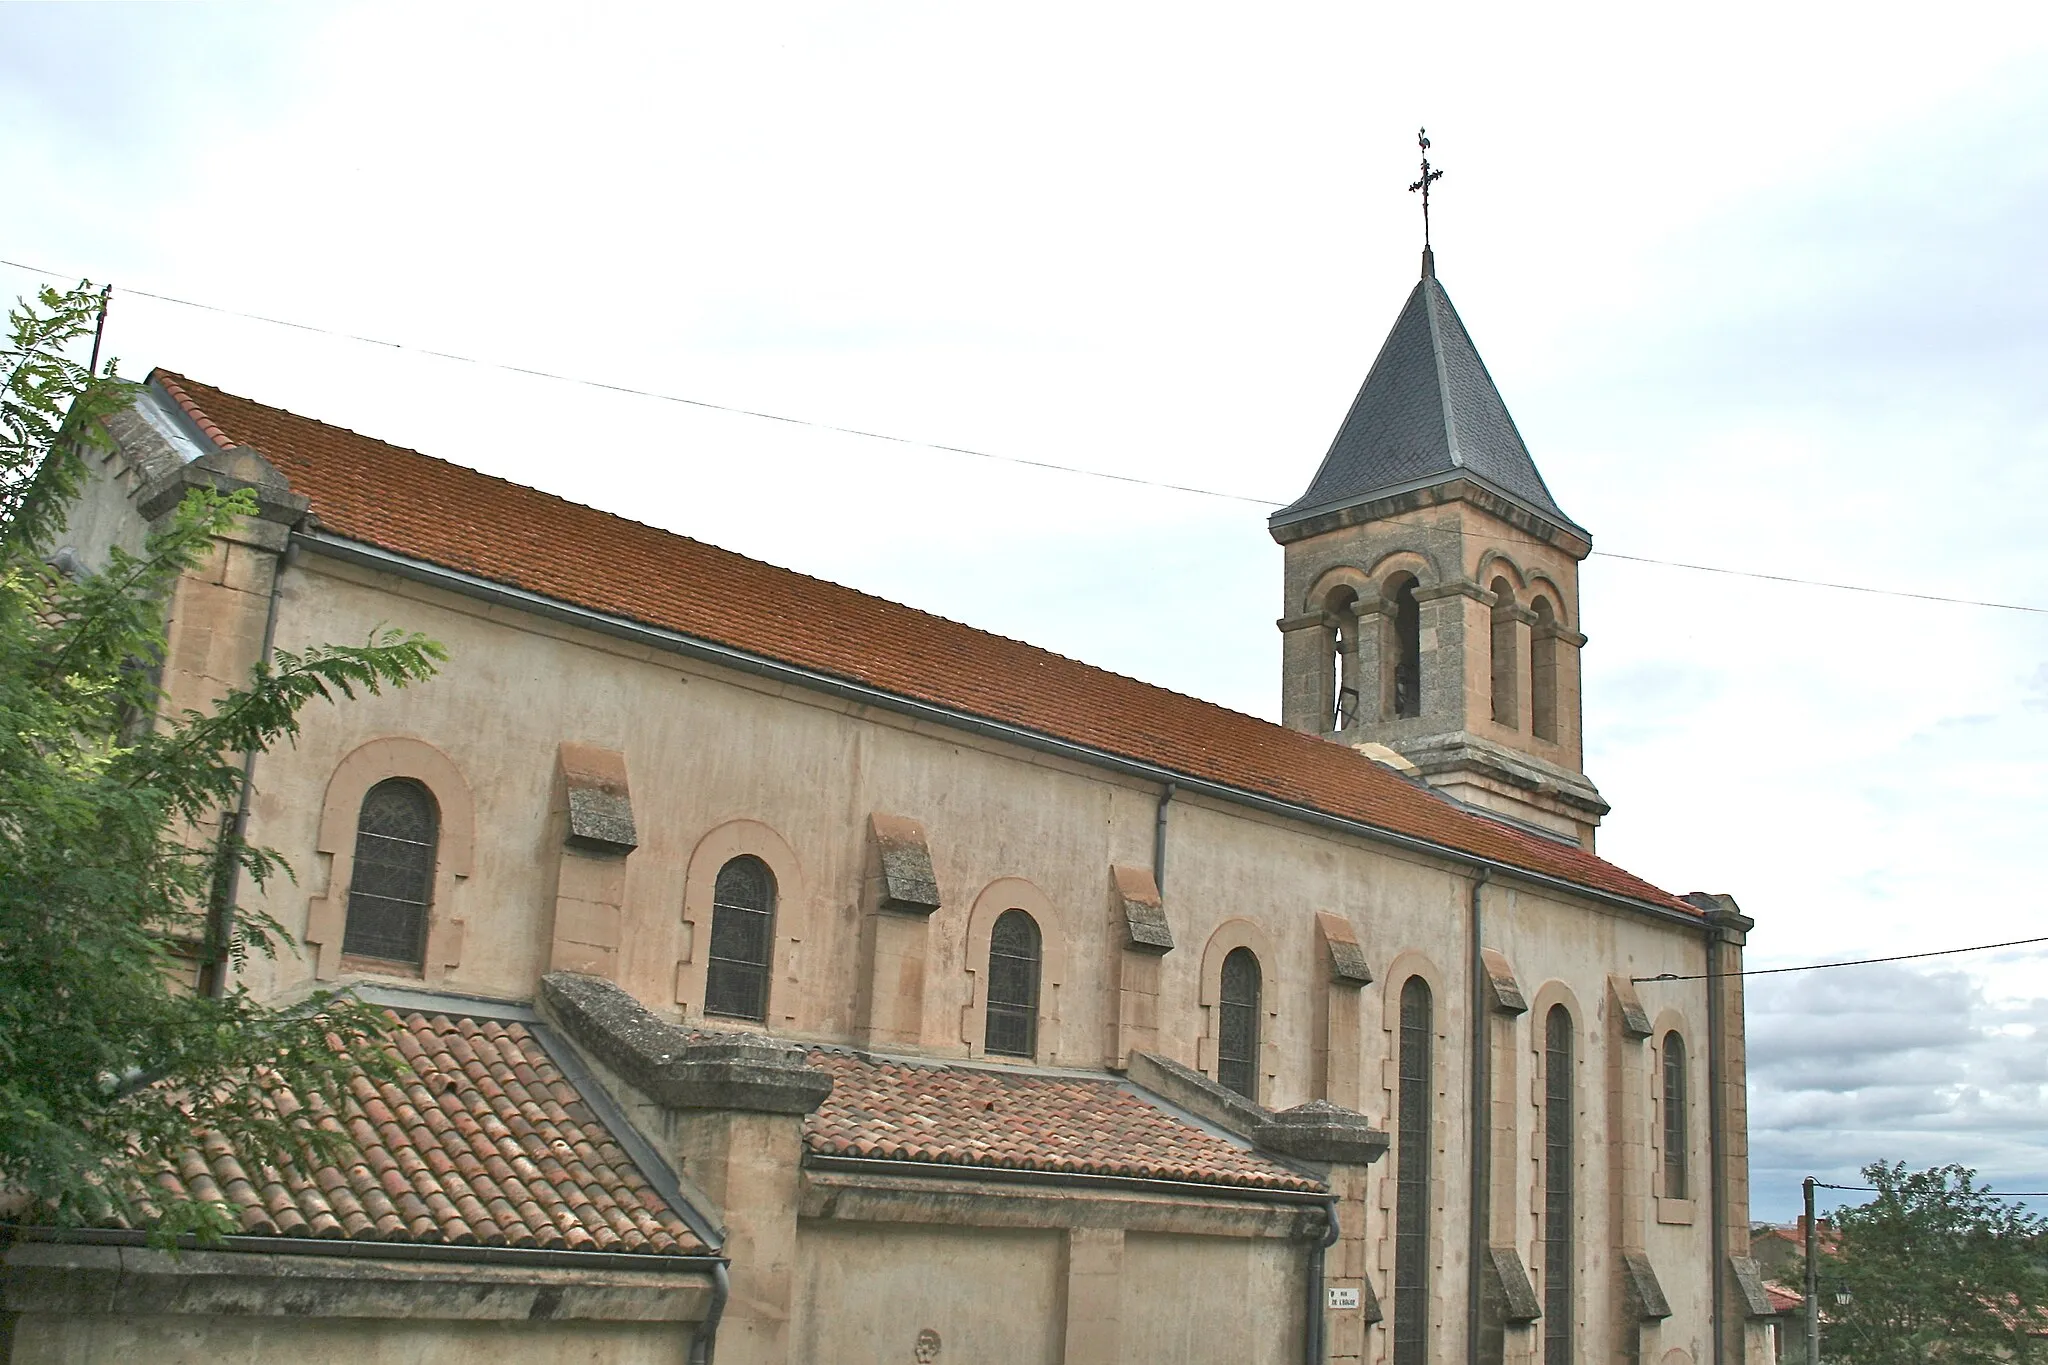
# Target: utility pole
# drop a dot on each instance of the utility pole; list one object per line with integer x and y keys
{"x": 1812, "y": 1282}
{"x": 99, "y": 330}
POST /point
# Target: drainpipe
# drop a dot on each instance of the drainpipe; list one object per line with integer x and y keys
{"x": 1482, "y": 1125}
{"x": 1159, "y": 837}
{"x": 1313, "y": 1350}
{"x": 704, "y": 1336}
{"x": 1716, "y": 1120}
{"x": 221, "y": 926}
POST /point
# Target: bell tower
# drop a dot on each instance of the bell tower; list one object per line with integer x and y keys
{"x": 1432, "y": 610}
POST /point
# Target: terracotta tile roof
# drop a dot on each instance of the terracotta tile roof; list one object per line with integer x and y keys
{"x": 1021, "y": 1120}
{"x": 423, "y": 508}
{"x": 1783, "y": 1300}
{"x": 484, "y": 1143}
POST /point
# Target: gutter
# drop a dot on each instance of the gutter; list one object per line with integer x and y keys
{"x": 1315, "y": 1349}
{"x": 675, "y": 642}
{"x": 1011, "y": 1175}
{"x": 382, "y": 1251}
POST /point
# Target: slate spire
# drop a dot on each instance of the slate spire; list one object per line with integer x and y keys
{"x": 1428, "y": 413}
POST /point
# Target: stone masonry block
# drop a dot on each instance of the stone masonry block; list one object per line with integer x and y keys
{"x": 600, "y": 799}
{"x": 904, "y": 865}
{"x": 1136, "y": 896}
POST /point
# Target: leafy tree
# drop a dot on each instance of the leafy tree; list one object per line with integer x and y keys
{"x": 1936, "y": 1268}
{"x": 117, "y": 844}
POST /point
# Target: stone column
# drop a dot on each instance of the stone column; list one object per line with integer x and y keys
{"x": 1507, "y": 1300}
{"x": 1139, "y": 937}
{"x": 1305, "y": 677}
{"x": 594, "y": 812}
{"x": 1095, "y": 1268}
{"x": 1742, "y": 1302}
{"x": 1338, "y": 1064}
{"x": 898, "y": 896}
{"x": 728, "y": 1110}
{"x": 1638, "y": 1299}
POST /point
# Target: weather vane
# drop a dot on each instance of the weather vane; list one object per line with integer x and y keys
{"x": 1428, "y": 175}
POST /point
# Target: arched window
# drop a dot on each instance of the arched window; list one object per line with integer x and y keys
{"x": 1675, "y": 1186}
{"x": 1014, "y": 953}
{"x": 1505, "y": 712}
{"x": 392, "y": 885}
{"x": 1237, "y": 1027}
{"x": 1413, "y": 1140}
{"x": 1341, "y": 611}
{"x": 1404, "y": 659}
{"x": 1560, "y": 1168}
{"x": 1543, "y": 671}
{"x": 742, "y": 940}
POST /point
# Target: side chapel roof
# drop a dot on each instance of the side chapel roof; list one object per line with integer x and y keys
{"x": 427, "y": 509}
{"x": 479, "y": 1141}
{"x": 1427, "y": 413}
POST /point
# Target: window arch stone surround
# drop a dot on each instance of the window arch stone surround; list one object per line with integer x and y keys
{"x": 1588, "y": 1060}
{"x": 1670, "y": 1209}
{"x": 1014, "y": 893}
{"x": 362, "y": 768}
{"x": 720, "y": 845}
{"x": 1229, "y": 936}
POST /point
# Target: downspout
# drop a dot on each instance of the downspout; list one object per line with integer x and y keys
{"x": 221, "y": 927}
{"x": 1313, "y": 1349}
{"x": 1482, "y": 1126}
{"x": 1159, "y": 837}
{"x": 704, "y": 1336}
{"x": 1716, "y": 1120}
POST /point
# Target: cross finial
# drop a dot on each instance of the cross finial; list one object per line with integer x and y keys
{"x": 1428, "y": 177}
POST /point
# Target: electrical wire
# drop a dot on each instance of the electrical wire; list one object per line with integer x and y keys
{"x": 1872, "y": 1189}
{"x": 1858, "y": 962}
{"x": 915, "y": 442}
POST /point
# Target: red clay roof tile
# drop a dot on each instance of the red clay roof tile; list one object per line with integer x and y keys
{"x": 427, "y": 509}
{"x": 417, "y": 1181}
{"x": 1022, "y": 1120}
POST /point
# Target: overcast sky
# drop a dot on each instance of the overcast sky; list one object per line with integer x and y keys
{"x": 1763, "y": 285}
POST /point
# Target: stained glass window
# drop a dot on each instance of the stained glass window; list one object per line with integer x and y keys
{"x": 391, "y": 886}
{"x": 1559, "y": 1176}
{"x": 742, "y": 940}
{"x": 1013, "y": 958}
{"x": 1413, "y": 1141}
{"x": 1675, "y": 1185}
{"x": 1237, "y": 1036}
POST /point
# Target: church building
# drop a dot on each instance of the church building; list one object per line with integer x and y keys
{"x": 786, "y": 975}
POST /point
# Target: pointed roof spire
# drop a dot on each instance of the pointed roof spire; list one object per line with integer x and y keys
{"x": 1428, "y": 413}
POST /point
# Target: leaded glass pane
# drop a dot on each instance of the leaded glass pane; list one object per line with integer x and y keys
{"x": 1411, "y": 1157}
{"x": 742, "y": 940}
{"x": 1674, "y": 1117}
{"x": 1013, "y": 964}
{"x": 1559, "y": 1174}
{"x": 391, "y": 884}
{"x": 1237, "y": 1035}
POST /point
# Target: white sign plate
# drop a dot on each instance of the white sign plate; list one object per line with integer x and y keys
{"x": 1343, "y": 1298}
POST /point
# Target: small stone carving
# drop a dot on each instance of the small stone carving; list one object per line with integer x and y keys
{"x": 927, "y": 1346}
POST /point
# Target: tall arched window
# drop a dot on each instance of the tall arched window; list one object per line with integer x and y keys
{"x": 391, "y": 887}
{"x": 1505, "y": 670}
{"x": 1237, "y": 1025}
{"x": 1014, "y": 953}
{"x": 1413, "y": 1140}
{"x": 742, "y": 940}
{"x": 1675, "y": 1184}
{"x": 1404, "y": 659}
{"x": 1341, "y": 611}
{"x": 1543, "y": 671}
{"x": 1560, "y": 1169}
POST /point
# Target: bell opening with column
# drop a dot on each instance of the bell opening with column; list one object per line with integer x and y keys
{"x": 1431, "y": 616}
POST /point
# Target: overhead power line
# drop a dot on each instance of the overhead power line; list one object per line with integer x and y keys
{"x": 1872, "y": 1189}
{"x": 912, "y": 441}
{"x": 1857, "y": 962}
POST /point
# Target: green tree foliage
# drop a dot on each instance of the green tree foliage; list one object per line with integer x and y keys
{"x": 1936, "y": 1268}
{"x": 118, "y": 850}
